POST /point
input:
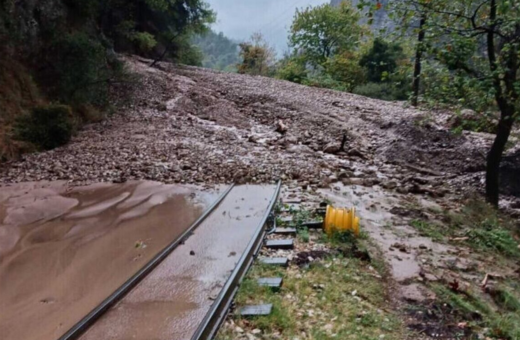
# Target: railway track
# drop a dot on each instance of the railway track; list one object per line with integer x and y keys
{"x": 186, "y": 290}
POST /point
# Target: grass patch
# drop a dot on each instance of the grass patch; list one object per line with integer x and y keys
{"x": 497, "y": 317}
{"x": 478, "y": 225}
{"x": 338, "y": 295}
{"x": 486, "y": 229}
{"x": 428, "y": 229}
{"x": 303, "y": 235}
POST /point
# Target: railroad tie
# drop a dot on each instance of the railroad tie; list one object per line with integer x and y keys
{"x": 256, "y": 310}
{"x": 286, "y": 219}
{"x": 275, "y": 283}
{"x": 280, "y": 244}
{"x": 285, "y": 231}
{"x": 312, "y": 224}
{"x": 275, "y": 261}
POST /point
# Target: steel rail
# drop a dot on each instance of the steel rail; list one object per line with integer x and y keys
{"x": 79, "y": 328}
{"x": 220, "y": 308}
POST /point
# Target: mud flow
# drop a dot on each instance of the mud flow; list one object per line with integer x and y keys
{"x": 63, "y": 251}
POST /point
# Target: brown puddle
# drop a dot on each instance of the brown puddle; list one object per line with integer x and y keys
{"x": 63, "y": 251}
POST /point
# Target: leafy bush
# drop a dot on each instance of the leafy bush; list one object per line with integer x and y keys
{"x": 47, "y": 127}
{"x": 381, "y": 60}
{"x": 257, "y": 57}
{"x": 81, "y": 73}
{"x": 292, "y": 70}
{"x": 345, "y": 68}
{"x": 470, "y": 120}
{"x": 145, "y": 41}
{"x": 186, "y": 53}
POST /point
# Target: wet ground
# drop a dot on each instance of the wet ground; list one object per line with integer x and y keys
{"x": 62, "y": 251}
{"x": 171, "y": 302}
{"x": 404, "y": 250}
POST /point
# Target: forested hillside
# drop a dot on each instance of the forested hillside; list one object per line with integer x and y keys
{"x": 58, "y": 60}
{"x": 219, "y": 52}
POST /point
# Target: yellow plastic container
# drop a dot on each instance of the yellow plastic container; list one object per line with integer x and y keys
{"x": 339, "y": 219}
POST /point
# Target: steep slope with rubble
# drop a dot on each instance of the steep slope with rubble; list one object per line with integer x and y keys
{"x": 196, "y": 125}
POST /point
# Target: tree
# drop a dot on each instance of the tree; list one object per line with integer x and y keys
{"x": 322, "y": 31}
{"x": 381, "y": 60}
{"x": 480, "y": 40}
{"x": 257, "y": 56}
{"x": 419, "y": 49}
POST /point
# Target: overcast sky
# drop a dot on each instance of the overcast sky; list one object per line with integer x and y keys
{"x": 238, "y": 19}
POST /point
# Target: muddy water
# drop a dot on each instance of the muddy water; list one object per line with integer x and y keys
{"x": 171, "y": 302}
{"x": 63, "y": 251}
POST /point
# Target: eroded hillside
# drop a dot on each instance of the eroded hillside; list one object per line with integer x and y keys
{"x": 195, "y": 125}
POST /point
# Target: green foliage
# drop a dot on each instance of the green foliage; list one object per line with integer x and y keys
{"x": 303, "y": 235}
{"x": 425, "y": 228}
{"x": 292, "y": 69}
{"x": 381, "y": 60}
{"x": 485, "y": 229}
{"x": 325, "y": 80}
{"x": 497, "y": 324}
{"x": 447, "y": 88}
{"x": 490, "y": 236}
{"x": 345, "y": 68}
{"x": 219, "y": 52}
{"x": 145, "y": 41}
{"x": 80, "y": 70}
{"x": 329, "y": 52}
{"x": 258, "y": 58}
{"x": 185, "y": 52}
{"x": 47, "y": 127}
{"x": 322, "y": 31}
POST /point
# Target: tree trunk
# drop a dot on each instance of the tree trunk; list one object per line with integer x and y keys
{"x": 418, "y": 56}
{"x": 495, "y": 156}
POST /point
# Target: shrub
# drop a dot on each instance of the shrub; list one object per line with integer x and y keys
{"x": 81, "y": 72}
{"x": 345, "y": 68}
{"x": 145, "y": 41}
{"x": 292, "y": 70}
{"x": 382, "y": 59}
{"x": 46, "y": 127}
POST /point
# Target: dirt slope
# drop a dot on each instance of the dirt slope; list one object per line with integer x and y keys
{"x": 196, "y": 125}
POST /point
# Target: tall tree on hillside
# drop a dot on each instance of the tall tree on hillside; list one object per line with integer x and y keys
{"x": 322, "y": 31}
{"x": 381, "y": 59}
{"x": 258, "y": 58}
{"x": 419, "y": 50}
